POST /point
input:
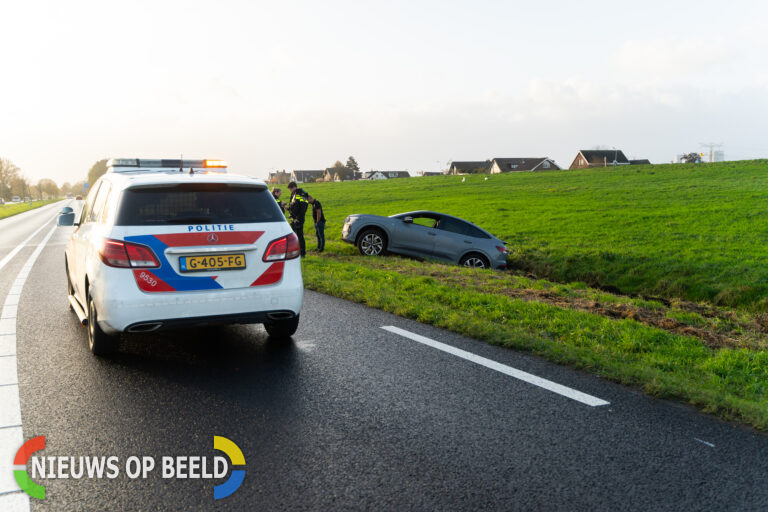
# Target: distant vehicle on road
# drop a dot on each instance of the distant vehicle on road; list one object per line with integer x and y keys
{"x": 79, "y": 198}
{"x": 69, "y": 196}
{"x": 157, "y": 249}
{"x": 27, "y": 199}
{"x": 426, "y": 234}
{"x": 16, "y": 199}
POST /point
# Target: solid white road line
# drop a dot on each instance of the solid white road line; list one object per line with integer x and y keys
{"x": 8, "y": 257}
{"x": 11, "y": 433}
{"x": 704, "y": 442}
{"x": 506, "y": 370}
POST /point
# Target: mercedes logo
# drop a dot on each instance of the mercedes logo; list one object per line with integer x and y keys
{"x": 213, "y": 238}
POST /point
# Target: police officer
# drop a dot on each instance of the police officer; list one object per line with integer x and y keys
{"x": 319, "y": 218}
{"x": 297, "y": 209}
{"x": 276, "y": 193}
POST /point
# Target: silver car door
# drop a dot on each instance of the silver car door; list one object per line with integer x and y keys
{"x": 414, "y": 238}
{"x": 452, "y": 240}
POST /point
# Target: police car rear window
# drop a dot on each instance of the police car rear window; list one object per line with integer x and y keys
{"x": 196, "y": 204}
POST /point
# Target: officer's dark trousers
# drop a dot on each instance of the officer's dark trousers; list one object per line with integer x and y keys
{"x": 298, "y": 228}
{"x": 320, "y": 232}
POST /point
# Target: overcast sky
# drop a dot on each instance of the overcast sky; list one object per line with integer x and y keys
{"x": 399, "y": 85}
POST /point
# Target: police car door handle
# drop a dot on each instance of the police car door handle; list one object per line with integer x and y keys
{"x": 467, "y": 242}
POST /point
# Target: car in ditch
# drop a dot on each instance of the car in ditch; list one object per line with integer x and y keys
{"x": 163, "y": 244}
{"x": 428, "y": 235}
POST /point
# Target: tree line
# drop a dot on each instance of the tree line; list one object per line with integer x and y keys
{"x": 13, "y": 182}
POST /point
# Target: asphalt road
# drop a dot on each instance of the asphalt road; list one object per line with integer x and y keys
{"x": 351, "y": 416}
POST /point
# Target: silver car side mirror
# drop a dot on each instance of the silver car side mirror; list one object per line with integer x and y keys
{"x": 408, "y": 220}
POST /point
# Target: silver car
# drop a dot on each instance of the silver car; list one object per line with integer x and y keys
{"x": 425, "y": 234}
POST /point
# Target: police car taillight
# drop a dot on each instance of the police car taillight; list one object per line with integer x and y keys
{"x": 285, "y": 248}
{"x": 117, "y": 253}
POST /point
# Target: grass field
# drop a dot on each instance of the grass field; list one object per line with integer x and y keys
{"x": 687, "y": 240}
{"x": 698, "y": 232}
{"x": 8, "y": 209}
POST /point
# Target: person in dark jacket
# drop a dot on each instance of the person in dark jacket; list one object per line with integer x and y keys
{"x": 276, "y": 193}
{"x": 319, "y": 218}
{"x": 297, "y": 209}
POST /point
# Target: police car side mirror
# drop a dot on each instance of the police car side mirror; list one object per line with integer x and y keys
{"x": 408, "y": 220}
{"x": 66, "y": 219}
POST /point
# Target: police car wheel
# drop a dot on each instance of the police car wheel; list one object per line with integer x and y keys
{"x": 281, "y": 329}
{"x": 474, "y": 261}
{"x": 371, "y": 243}
{"x": 99, "y": 342}
{"x": 70, "y": 288}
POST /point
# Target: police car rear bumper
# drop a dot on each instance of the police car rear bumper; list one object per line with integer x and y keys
{"x": 237, "y": 318}
{"x": 122, "y": 306}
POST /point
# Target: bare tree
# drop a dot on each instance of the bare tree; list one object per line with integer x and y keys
{"x": 47, "y": 188}
{"x": 96, "y": 171}
{"x": 78, "y": 188}
{"x": 8, "y": 173}
{"x": 19, "y": 186}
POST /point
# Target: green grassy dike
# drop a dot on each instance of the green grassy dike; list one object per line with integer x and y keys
{"x": 730, "y": 381}
{"x": 8, "y": 209}
{"x": 697, "y": 232}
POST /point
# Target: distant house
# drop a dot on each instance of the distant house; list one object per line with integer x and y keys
{"x": 643, "y": 161}
{"x": 374, "y": 175}
{"x": 338, "y": 174}
{"x": 430, "y": 173}
{"x": 306, "y": 176}
{"x": 279, "y": 178}
{"x": 501, "y": 165}
{"x": 385, "y": 175}
{"x": 599, "y": 158}
{"x": 470, "y": 167}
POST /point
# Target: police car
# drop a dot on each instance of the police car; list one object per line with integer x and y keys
{"x": 162, "y": 244}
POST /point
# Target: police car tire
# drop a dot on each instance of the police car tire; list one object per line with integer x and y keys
{"x": 281, "y": 329}
{"x": 99, "y": 342}
{"x": 70, "y": 288}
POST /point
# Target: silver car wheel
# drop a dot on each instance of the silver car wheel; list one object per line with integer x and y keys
{"x": 474, "y": 262}
{"x": 371, "y": 244}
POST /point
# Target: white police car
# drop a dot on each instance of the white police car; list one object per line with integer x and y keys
{"x": 162, "y": 244}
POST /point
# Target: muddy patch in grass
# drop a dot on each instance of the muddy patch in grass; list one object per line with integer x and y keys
{"x": 715, "y": 327}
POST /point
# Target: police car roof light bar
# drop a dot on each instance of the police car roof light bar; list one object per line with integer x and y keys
{"x": 164, "y": 165}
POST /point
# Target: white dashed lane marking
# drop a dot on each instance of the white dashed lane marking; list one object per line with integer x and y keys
{"x": 554, "y": 387}
{"x": 8, "y": 257}
{"x": 11, "y": 433}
